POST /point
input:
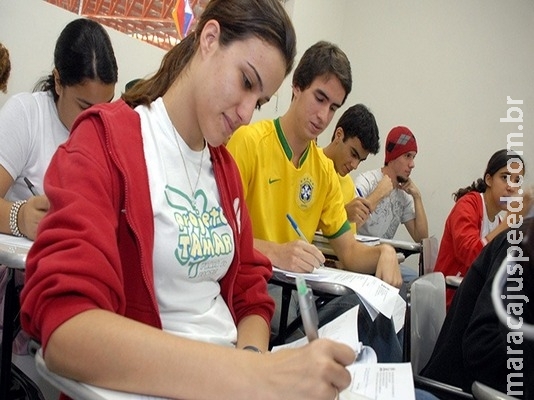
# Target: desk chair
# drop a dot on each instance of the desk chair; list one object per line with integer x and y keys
{"x": 429, "y": 254}
{"x": 483, "y": 392}
{"x": 325, "y": 292}
{"x": 425, "y": 313}
{"x": 427, "y": 262}
{"x": 12, "y": 380}
{"x": 453, "y": 281}
{"x": 71, "y": 388}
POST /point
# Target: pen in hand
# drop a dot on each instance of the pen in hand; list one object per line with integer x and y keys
{"x": 299, "y": 232}
{"x": 308, "y": 311}
{"x": 31, "y": 187}
{"x": 360, "y": 194}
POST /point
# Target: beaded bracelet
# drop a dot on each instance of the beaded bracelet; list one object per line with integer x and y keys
{"x": 13, "y": 218}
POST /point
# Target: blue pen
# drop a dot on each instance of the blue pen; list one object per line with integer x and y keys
{"x": 299, "y": 232}
{"x": 296, "y": 227}
{"x": 359, "y": 192}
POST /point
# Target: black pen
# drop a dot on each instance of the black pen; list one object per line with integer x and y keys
{"x": 31, "y": 187}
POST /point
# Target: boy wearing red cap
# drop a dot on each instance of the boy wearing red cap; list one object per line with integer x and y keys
{"x": 393, "y": 196}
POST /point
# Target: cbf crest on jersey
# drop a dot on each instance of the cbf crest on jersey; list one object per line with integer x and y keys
{"x": 306, "y": 192}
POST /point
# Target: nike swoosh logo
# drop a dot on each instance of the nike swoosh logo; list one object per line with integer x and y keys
{"x": 273, "y": 180}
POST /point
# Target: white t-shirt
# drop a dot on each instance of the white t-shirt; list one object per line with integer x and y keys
{"x": 30, "y": 133}
{"x": 395, "y": 209}
{"x": 193, "y": 243}
{"x": 487, "y": 226}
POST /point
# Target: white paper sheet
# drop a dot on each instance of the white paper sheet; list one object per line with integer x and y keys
{"x": 343, "y": 329}
{"x": 382, "y": 381}
{"x": 370, "y": 380}
{"x": 377, "y": 295}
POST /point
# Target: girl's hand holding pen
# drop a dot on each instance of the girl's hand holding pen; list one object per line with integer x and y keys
{"x": 315, "y": 371}
{"x": 31, "y": 213}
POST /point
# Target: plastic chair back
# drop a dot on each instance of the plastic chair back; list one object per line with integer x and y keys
{"x": 429, "y": 254}
{"x": 427, "y": 313}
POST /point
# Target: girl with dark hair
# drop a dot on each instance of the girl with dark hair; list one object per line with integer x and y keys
{"x": 143, "y": 277}
{"x": 478, "y": 215}
{"x": 33, "y": 125}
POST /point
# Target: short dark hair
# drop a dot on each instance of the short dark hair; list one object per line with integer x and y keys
{"x": 358, "y": 121}
{"x": 323, "y": 58}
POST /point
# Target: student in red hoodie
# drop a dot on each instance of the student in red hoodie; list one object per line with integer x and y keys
{"x": 143, "y": 276}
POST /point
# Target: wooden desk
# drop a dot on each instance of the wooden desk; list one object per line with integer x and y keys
{"x": 13, "y": 253}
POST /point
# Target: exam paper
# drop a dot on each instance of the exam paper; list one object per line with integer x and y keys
{"x": 376, "y": 295}
{"x": 343, "y": 329}
{"x": 370, "y": 380}
{"x": 382, "y": 381}
{"x": 368, "y": 240}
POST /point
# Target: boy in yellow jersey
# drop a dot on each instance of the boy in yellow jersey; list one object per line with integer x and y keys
{"x": 355, "y": 137}
{"x": 284, "y": 172}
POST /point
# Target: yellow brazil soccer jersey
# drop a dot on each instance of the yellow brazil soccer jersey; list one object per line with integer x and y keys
{"x": 274, "y": 187}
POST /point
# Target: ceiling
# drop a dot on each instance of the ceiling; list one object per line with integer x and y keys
{"x": 148, "y": 20}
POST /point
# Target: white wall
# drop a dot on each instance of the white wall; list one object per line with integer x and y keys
{"x": 309, "y": 20}
{"x": 30, "y": 28}
{"x": 443, "y": 68}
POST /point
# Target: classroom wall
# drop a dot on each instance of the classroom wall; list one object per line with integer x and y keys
{"x": 442, "y": 68}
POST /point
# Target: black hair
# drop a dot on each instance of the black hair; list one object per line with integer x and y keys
{"x": 498, "y": 160}
{"x": 83, "y": 51}
{"x": 358, "y": 121}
